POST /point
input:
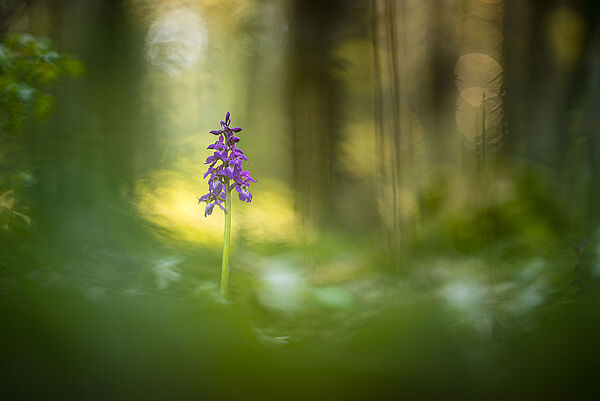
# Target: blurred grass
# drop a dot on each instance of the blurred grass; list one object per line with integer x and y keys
{"x": 165, "y": 348}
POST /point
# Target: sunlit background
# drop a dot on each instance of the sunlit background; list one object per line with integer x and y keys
{"x": 426, "y": 221}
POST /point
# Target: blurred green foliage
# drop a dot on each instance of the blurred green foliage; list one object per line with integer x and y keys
{"x": 28, "y": 66}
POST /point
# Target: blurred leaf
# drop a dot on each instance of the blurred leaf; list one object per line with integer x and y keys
{"x": 44, "y": 106}
{"x": 73, "y": 67}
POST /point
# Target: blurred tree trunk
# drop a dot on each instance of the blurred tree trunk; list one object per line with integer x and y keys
{"x": 551, "y": 52}
{"x": 385, "y": 47}
{"x": 414, "y": 69}
{"x": 84, "y": 159}
{"x": 592, "y": 123}
{"x": 315, "y": 109}
{"x": 10, "y": 11}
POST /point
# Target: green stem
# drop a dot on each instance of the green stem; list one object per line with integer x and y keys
{"x": 226, "y": 242}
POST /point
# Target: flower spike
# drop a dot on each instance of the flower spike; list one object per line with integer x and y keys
{"x": 225, "y": 173}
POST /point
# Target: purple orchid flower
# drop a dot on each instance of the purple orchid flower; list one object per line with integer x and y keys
{"x": 225, "y": 173}
{"x": 225, "y": 168}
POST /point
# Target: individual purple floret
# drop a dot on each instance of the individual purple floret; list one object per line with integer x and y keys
{"x": 225, "y": 169}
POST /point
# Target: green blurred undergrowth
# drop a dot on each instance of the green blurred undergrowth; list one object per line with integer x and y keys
{"x": 30, "y": 69}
